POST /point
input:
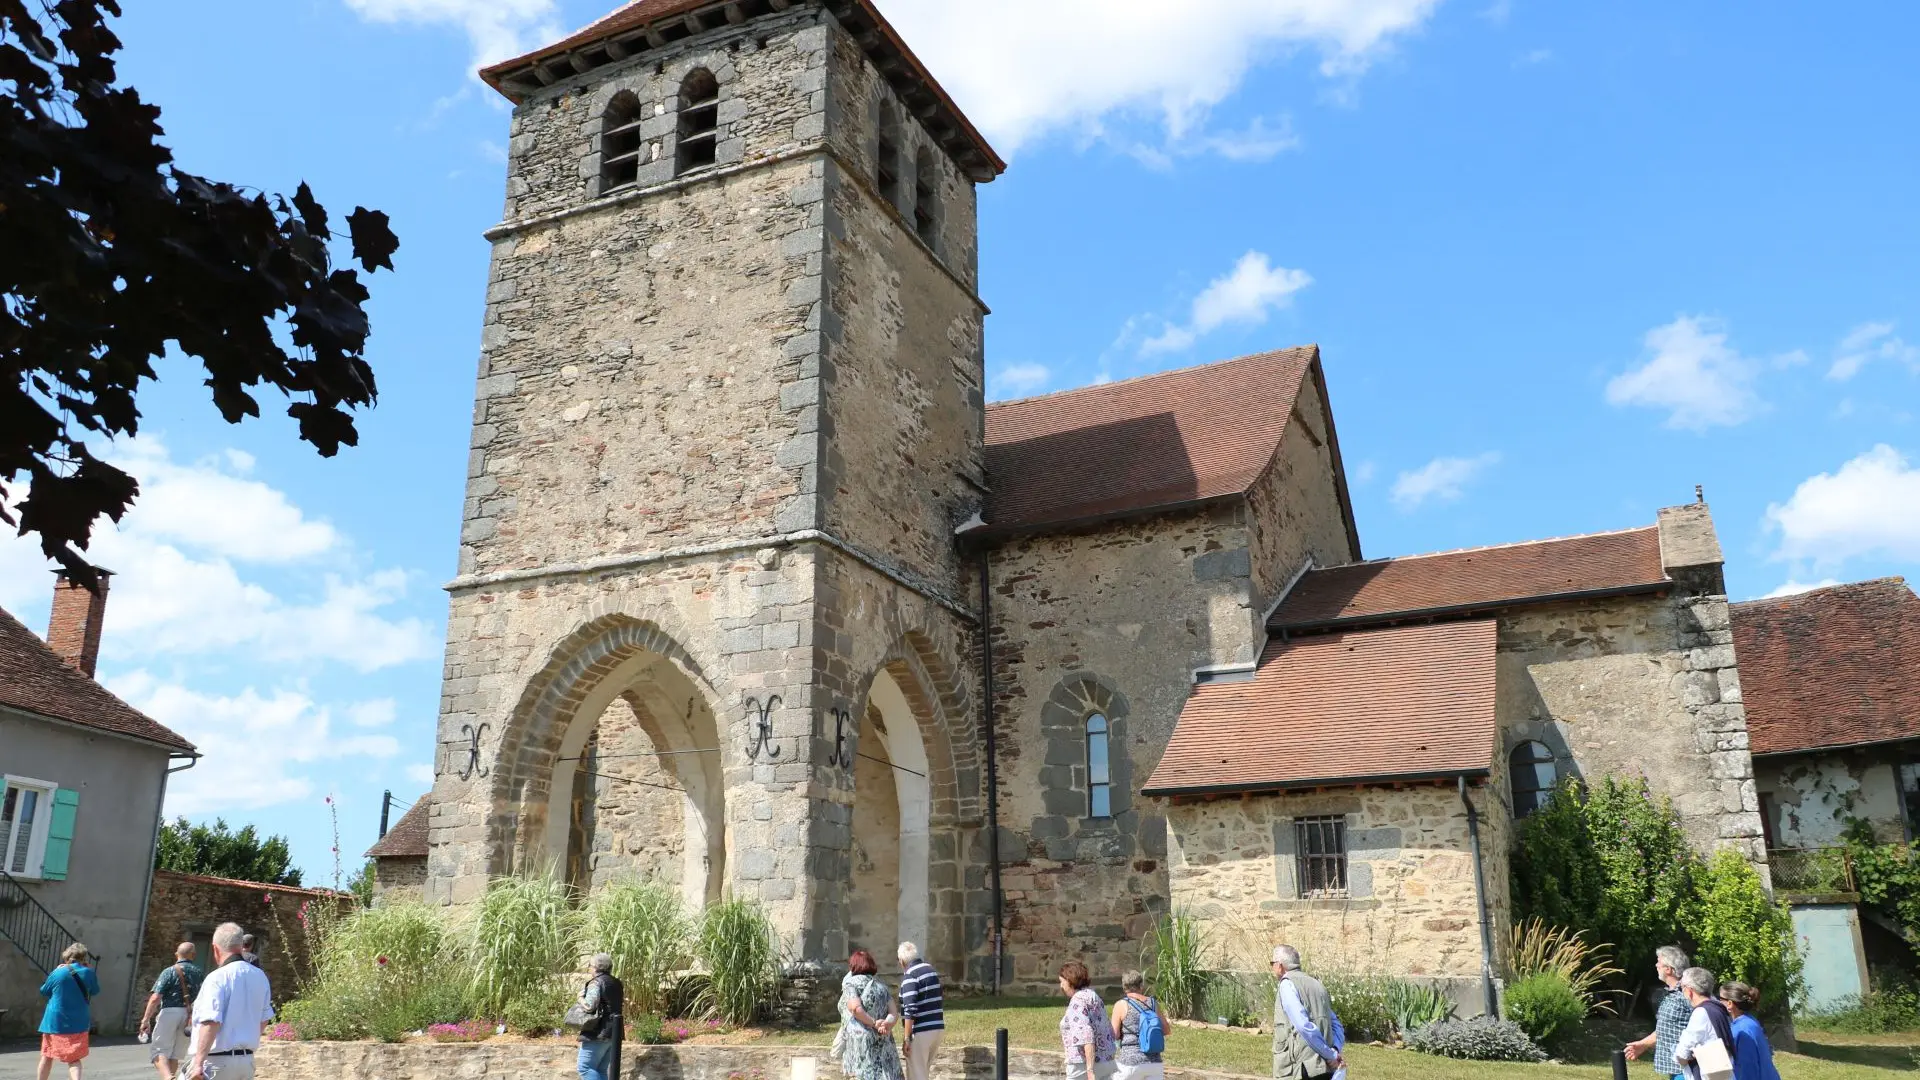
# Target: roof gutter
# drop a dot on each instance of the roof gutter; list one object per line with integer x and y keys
{"x": 1832, "y": 748}
{"x": 1296, "y": 785}
{"x": 1388, "y": 618}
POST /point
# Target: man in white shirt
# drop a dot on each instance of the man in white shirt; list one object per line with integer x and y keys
{"x": 233, "y": 1010}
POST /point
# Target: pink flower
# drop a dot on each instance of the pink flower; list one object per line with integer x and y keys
{"x": 381, "y": 960}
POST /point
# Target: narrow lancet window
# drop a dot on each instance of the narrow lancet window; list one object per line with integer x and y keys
{"x": 620, "y": 142}
{"x": 926, "y": 218}
{"x": 1099, "y": 768}
{"x": 886, "y": 165}
{"x": 1534, "y": 776}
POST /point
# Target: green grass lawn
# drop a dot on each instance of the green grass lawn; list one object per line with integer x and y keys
{"x": 1034, "y": 1023}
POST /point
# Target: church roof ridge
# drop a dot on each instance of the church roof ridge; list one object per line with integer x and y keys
{"x": 1131, "y": 380}
{"x": 1890, "y": 581}
{"x": 1491, "y": 547}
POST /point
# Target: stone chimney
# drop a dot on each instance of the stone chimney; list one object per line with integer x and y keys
{"x": 1690, "y": 549}
{"x": 78, "y": 612}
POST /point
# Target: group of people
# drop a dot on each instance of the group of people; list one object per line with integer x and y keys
{"x": 1692, "y": 1015}
{"x": 210, "y": 1021}
{"x": 1126, "y": 1041}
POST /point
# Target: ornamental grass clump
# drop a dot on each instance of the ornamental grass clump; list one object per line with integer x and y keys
{"x": 741, "y": 954}
{"x": 1482, "y": 1038}
{"x": 381, "y": 973}
{"x": 645, "y": 928}
{"x": 1539, "y": 949}
{"x": 1175, "y": 958}
{"x": 524, "y": 932}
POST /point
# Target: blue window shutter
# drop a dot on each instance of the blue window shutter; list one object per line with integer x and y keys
{"x": 66, "y": 805}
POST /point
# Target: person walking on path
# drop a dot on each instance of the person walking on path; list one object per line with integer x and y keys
{"x": 1670, "y": 1017}
{"x": 246, "y": 950}
{"x": 1308, "y": 1040}
{"x": 1708, "y": 1022}
{"x": 603, "y": 1000}
{"x": 69, "y": 990}
{"x": 867, "y": 1017}
{"x": 1085, "y": 1033}
{"x": 1141, "y": 1026}
{"x": 1752, "y": 1053}
{"x": 231, "y": 1012}
{"x": 922, "y": 1011}
{"x": 168, "y": 1008}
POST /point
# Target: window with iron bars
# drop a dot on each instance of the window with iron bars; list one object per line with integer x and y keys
{"x": 1320, "y": 855}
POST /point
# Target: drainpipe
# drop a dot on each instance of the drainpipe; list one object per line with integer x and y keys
{"x": 1480, "y": 895}
{"x": 146, "y": 896}
{"x": 993, "y": 759}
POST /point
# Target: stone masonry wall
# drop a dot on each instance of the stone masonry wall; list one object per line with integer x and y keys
{"x": 397, "y": 877}
{"x": 1114, "y": 619}
{"x": 1638, "y": 686}
{"x": 1811, "y": 797}
{"x": 187, "y": 907}
{"x": 1411, "y": 909}
{"x": 1295, "y": 512}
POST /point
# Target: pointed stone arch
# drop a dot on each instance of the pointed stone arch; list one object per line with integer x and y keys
{"x": 603, "y": 660}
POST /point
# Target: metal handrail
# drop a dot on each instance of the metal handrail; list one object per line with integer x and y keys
{"x": 30, "y": 926}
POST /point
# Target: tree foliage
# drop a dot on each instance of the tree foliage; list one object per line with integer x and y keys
{"x": 109, "y": 255}
{"x": 1740, "y": 933}
{"x": 1888, "y": 876}
{"x": 218, "y": 851}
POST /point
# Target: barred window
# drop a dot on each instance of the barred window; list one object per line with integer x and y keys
{"x": 1320, "y": 854}
{"x": 1099, "y": 768}
{"x": 1533, "y": 776}
{"x": 699, "y": 120}
{"x": 620, "y": 142}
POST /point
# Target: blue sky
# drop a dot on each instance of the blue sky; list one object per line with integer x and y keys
{"x": 1565, "y": 262}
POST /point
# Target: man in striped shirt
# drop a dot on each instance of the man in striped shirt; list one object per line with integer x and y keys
{"x": 920, "y": 1010}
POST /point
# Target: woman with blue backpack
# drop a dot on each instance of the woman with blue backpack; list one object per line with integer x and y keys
{"x": 1141, "y": 1026}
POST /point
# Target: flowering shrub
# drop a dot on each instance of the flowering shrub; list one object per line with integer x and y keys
{"x": 466, "y": 1031}
{"x": 282, "y": 1033}
{"x": 1482, "y": 1038}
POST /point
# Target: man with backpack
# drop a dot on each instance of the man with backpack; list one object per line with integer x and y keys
{"x": 1140, "y": 1027}
{"x": 1307, "y": 1036}
{"x": 168, "y": 1010}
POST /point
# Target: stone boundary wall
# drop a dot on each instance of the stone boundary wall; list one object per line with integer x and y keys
{"x": 187, "y": 907}
{"x": 555, "y": 1060}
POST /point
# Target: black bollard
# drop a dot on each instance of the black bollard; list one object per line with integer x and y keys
{"x": 1000, "y": 1054}
{"x": 1619, "y": 1065}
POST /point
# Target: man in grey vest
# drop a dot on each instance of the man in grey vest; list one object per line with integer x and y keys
{"x": 1307, "y": 1037}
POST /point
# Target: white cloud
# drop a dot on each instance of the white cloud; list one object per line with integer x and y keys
{"x": 1443, "y": 479}
{"x": 176, "y": 589}
{"x": 1869, "y": 342}
{"x": 1795, "y": 588}
{"x": 420, "y": 774}
{"x": 1692, "y": 373}
{"x": 376, "y": 713}
{"x": 1017, "y": 380}
{"x": 1247, "y": 294}
{"x": 1363, "y": 473}
{"x": 253, "y": 743}
{"x": 1068, "y": 64}
{"x": 497, "y": 29}
{"x": 1869, "y": 506}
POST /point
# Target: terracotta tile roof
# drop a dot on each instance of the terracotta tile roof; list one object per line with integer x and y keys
{"x": 1158, "y": 441}
{"x": 34, "y": 679}
{"x": 643, "y": 13}
{"x": 1476, "y": 578}
{"x": 407, "y": 837}
{"x": 1832, "y": 667}
{"x": 1401, "y": 703}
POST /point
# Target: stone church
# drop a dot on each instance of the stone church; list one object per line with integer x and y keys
{"x": 758, "y": 596}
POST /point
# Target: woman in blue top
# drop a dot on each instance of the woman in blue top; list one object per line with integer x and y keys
{"x": 1752, "y": 1054}
{"x": 69, "y": 990}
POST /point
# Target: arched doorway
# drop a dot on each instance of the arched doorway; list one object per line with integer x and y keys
{"x": 612, "y": 766}
{"x": 892, "y": 883}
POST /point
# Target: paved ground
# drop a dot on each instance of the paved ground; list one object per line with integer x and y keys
{"x": 112, "y": 1059}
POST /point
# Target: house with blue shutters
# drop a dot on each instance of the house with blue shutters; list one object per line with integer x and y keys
{"x": 82, "y": 778}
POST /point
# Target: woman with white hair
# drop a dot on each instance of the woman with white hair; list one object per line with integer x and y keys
{"x": 69, "y": 990}
{"x": 601, "y": 1003}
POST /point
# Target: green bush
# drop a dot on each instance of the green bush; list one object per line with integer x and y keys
{"x": 644, "y": 927}
{"x": 1740, "y": 933}
{"x": 1544, "y": 1005}
{"x": 1231, "y": 998}
{"x": 1364, "y": 1004}
{"x": 645, "y": 1030}
{"x": 1174, "y": 956}
{"x": 1482, "y": 1038}
{"x": 380, "y": 973}
{"x": 1894, "y": 1007}
{"x": 1888, "y": 875}
{"x": 1534, "y": 948}
{"x": 539, "y": 1009}
{"x": 742, "y": 957}
{"x": 1415, "y": 1006}
{"x": 524, "y": 932}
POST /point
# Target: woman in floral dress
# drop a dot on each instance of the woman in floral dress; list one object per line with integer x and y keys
{"x": 1085, "y": 1033}
{"x": 867, "y": 1016}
